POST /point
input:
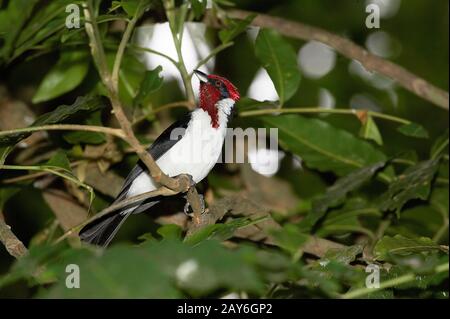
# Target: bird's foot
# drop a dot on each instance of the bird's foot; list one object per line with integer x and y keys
{"x": 188, "y": 209}
{"x": 186, "y": 181}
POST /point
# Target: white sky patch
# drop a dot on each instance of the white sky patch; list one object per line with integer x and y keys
{"x": 252, "y": 32}
{"x": 194, "y": 48}
{"x": 262, "y": 87}
{"x": 388, "y": 8}
{"x": 382, "y": 44}
{"x": 186, "y": 270}
{"x": 265, "y": 161}
{"x": 326, "y": 99}
{"x": 316, "y": 59}
{"x": 297, "y": 162}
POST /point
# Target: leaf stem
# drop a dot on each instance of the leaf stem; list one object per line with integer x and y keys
{"x": 312, "y": 110}
{"x": 440, "y": 149}
{"x": 53, "y": 170}
{"x": 122, "y": 46}
{"x": 213, "y": 53}
{"x": 177, "y": 35}
{"x": 138, "y": 48}
{"x": 390, "y": 283}
{"x": 67, "y": 127}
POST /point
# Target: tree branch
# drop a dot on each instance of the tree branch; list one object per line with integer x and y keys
{"x": 405, "y": 78}
{"x": 12, "y": 244}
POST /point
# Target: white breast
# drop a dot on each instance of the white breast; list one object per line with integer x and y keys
{"x": 195, "y": 154}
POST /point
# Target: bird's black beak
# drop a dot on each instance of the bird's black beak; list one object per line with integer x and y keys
{"x": 201, "y": 76}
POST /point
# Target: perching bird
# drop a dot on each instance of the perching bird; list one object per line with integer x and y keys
{"x": 192, "y": 145}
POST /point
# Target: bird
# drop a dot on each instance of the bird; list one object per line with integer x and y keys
{"x": 191, "y": 145}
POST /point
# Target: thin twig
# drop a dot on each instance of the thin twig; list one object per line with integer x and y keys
{"x": 212, "y": 54}
{"x": 149, "y": 50}
{"x": 26, "y": 177}
{"x": 307, "y": 110}
{"x": 371, "y": 62}
{"x": 174, "y": 21}
{"x": 167, "y": 106}
{"x": 67, "y": 127}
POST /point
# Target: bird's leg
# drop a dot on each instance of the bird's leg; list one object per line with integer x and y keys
{"x": 187, "y": 206}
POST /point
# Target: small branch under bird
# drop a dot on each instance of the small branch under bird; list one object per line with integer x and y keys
{"x": 192, "y": 145}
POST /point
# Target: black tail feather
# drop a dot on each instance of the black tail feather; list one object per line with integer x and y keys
{"x": 100, "y": 232}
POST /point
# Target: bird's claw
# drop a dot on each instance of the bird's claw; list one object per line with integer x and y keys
{"x": 187, "y": 206}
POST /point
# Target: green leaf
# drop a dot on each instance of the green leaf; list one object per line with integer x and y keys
{"x": 413, "y": 130}
{"x": 59, "y": 160}
{"x": 160, "y": 269}
{"x": 4, "y": 151}
{"x": 346, "y": 219}
{"x": 44, "y": 22}
{"x": 289, "y": 238}
{"x": 225, "y": 3}
{"x": 179, "y": 18}
{"x": 246, "y": 103}
{"x": 59, "y": 115}
{"x": 198, "y": 6}
{"x": 131, "y": 76}
{"x": 66, "y": 75}
{"x": 279, "y": 59}
{"x": 337, "y": 193}
{"x": 59, "y": 165}
{"x": 133, "y": 7}
{"x": 234, "y": 28}
{"x": 426, "y": 271}
{"x": 151, "y": 83}
{"x": 399, "y": 245}
{"x": 369, "y": 131}
{"x": 440, "y": 145}
{"x": 78, "y": 137}
{"x": 344, "y": 255}
{"x": 324, "y": 147}
{"x": 15, "y": 17}
{"x": 414, "y": 183}
{"x": 221, "y": 231}
{"x": 6, "y": 192}
{"x": 170, "y": 232}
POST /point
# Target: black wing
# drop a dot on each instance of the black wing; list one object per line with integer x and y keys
{"x": 159, "y": 147}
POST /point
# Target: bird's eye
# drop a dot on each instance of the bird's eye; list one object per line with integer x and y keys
{"x": 218, "y": 83}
